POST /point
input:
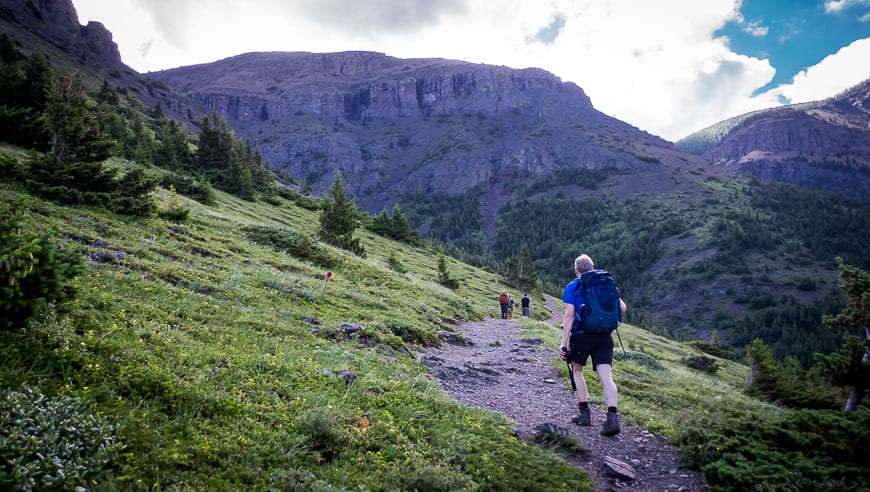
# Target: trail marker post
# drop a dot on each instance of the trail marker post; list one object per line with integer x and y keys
{"x": 325, "y": 281}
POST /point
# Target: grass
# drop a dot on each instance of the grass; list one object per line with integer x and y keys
{"x": 658, "y": 392}
{"x": 202, "y": 359}
{"x": 218, "y": 361}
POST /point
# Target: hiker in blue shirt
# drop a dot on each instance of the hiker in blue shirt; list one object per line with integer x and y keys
{"x": 577, "y": 348}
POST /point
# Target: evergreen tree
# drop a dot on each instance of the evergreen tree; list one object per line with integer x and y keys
{"x": 36, "y": 270}
{"x": 131, "y": 195}
{"x": 142, "y": 145}
{"x": 444, "y": 277}
{"x": 172, "y": 151}
{"x": 381, "y": 224}
{"x": 400, "y": 227}
{"x": 339, "y": 218}
{"x": 850, "y": 368}
{"x": 512, "y": 271}
{"x": 73, "y": 127}
{"x": 528, "y": 279}
{"x": 230, "y": 165}
{"x": 24, "y": 84}
{"x": 214, "y": 146}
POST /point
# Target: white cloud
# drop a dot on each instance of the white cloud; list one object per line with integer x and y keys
{"x": 756, "y": 29}
{"x": 836, "y": 6}
{"x": 837, "y": 72}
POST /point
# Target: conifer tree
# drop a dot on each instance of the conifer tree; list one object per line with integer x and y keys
{"x": 339, "y": 218}
{"x": 527, "y": 277}
{"x": 401, "y": 229}
{"x": 73, "y": 127}
{"x": 381, "y": 224}
{"x": 850, "y": 368}
{"x": 36, "y": 270}
{"x": 444, "y": 277}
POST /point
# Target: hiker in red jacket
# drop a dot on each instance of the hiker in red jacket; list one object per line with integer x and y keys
{"x": 504, "y": 301}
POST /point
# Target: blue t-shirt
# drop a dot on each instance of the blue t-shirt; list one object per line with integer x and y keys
{"x": 568, "y": 297}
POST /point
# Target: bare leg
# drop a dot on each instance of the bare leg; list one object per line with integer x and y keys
{"x": 580, "y": 381}
{"x": 605, "y": 374}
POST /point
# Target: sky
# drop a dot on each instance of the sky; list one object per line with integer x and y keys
{"x": 669, "y": 67}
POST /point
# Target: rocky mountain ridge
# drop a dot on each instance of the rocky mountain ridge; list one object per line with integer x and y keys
{"x": 822, "y": 145}
{"x": 90, "y": 51}
{"x": 394, "y": 126}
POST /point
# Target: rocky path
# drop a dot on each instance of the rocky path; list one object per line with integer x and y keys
{"x": 495, "y": 369}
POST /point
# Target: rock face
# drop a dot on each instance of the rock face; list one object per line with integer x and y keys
{"x": 394, "y": 125}
{"x": 824, "y": 145}
{"x": 56, "y": 22}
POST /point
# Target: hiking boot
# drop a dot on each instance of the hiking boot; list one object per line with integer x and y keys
{"x": 585, "y": 417}
{"x": 611, "y": 426}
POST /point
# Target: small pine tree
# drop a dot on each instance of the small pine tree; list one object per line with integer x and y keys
{"x": 395, "y": 264}
{"x": 37, "y": 271}
{"x": 339, "y": 218}
{"x": 381, "y": 224}
{"x": 400, "y": 227}
{"x": 132, "y": 194}
{"x": 444, "y": 277}
{"x": 527, "y": 277}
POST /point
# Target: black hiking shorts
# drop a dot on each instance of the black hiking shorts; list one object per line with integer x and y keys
{"x": 597, "y": 345}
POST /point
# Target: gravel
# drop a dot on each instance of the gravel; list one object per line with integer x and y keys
{"x": 497, "y": 370}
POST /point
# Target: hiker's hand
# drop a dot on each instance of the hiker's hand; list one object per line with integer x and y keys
{"x": 563, "y": 352}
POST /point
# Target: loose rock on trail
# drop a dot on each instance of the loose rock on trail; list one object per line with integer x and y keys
{"x": 493, "y": 368}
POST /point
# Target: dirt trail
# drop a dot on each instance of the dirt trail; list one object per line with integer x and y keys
{"x": 497, "y": 370}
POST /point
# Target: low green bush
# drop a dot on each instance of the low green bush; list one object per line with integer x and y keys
{"x": 51, "y": 443}
{"x": 291, "y": 242}
{"x": 802, "y": 450}
{"x": 37, "y": 270}
{"x": 701, "y": 363}
{"x": 199, "y": 190}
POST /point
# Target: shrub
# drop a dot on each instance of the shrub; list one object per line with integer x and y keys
{"x": 36, "y": 269}
{"x": 444, "y": 277}
{"x": 395, "y": 264}
{"x": 412, "y": 334}
{"x": 641, "y": 359}
{"x": 713, "y": 349}
{"x": 131, "y": 195}
{"x": 50, "y": 443}
{"x": 292, "y": 243}
{"x": 802, "y": 450}
{"x": 175, "y": 211}
{"x": 199, "y": 190}
{"x": 701, "y": 363}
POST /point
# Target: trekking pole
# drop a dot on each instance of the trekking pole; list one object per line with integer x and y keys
{"x": 571, "y": 376}
{"x": 570, "y": 373}
{"x": 620, "y": 342}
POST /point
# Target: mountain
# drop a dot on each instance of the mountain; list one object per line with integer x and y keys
{"x": 207, "y": 347}
{"x": 821, "y": 145}
{"x": 52, "y": 26}
{"x": 395, "y": 126}
{"x": 486, "y": 160}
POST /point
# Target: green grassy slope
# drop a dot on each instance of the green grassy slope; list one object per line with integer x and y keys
{"x": 195, "y": 358}
{"x": 216, "y": 360}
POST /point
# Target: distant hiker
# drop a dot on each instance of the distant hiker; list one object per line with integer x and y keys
{"x": 525, "y": 303}
{"x": 580, "y": 342}
{"x": 510, "y": 307}
{"x": 504, "y": 301}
